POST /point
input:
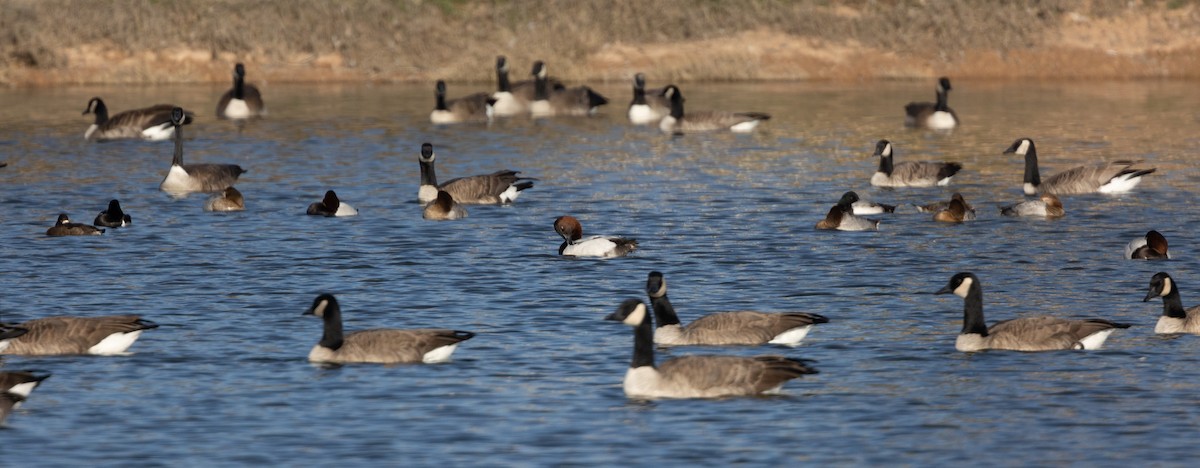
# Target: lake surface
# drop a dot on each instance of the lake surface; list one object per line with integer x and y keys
{"x": 727, "y": 218}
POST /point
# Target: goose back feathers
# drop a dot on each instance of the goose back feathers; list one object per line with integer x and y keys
{"x": 678, "y": 122}
{"x": 105, "y": 335}
{"x": 910, "y": 173}
{"x": 150, "y": 123}
{"x": 499, "y": 187}
{"x": 471, "y": 108}
{"x": 1102, "y": 177}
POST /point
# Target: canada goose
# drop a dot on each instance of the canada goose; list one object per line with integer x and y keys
{"x": 1103, "y": 177}
{"x": 725, "y": 328}
{"x": 648, "y": 106}
{"x": 956, "y": 211}
{"x": 471, "y": 108}
{"x": 331, "y": 206}
{"x": 910, "y": 173}
{"x": 574, "y": 245}
{"x": 113, "y": 216}
{"x": 380, "y": 345}
{"x": 697, "y": 376}
{"x": 1048, "y": 206}
{"x": 935, "y": 116}
{"x": 514, "y": 98}
{"x": 104, "y": 335}
{"x": 1152, "y": 246}
{"x": 1041, "y": 333}
{"x": 841, "y": 217}
{"x": 864, "y": 207}
{"x": 9, "y": 333}
{"x": 229, "y": 199}
{"x": 444, "y": 208}
{"x": 151, "y": 123}
{"x": 8, "y": 401}
{"x": 550, "y": 100}
{"x": 1174, "y": 319}
{"x": 499, "y": 187}
{"x": 677, "y": 122}
{"x": 21, "y": 382}
{"x": 64, "y": 227}
{"x": 942, "y": 205}
{"x": 243, "y": 101}
{"x": 185, "y": 178}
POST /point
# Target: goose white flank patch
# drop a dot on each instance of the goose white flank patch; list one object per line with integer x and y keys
{"x": 8, "y": 402}
{"x": 910, "y": 173}
{"x": 471, "y": 108}
{"x": 497, "y": 188}
{"x": 698, "y": 376}
{"x": 864, "y": 207}
{"x": 229, "y": 199}
{"x": 1103, "y": 177}
{"x": 550, "y": 100}
{"x": 64, "y": 227}
{"x": 330, "y": 206}
{"x": 725, "y": 328}
{"x": 1174, "y": 319}
{"x": 243, "y": 101}
{"x": 575, "y": 245}
{"x": 113, "y": 216}
{"x": 1046, "y": 206}
{"x": 1041, "y": 333}
{"x": 679, "y": 122}
{"x": 151, "y": 123}
{"x": 648, "y": 106}
{"x": 21, "y": 382}
{"x": 379, "y": 345}
{"x": 443, "y": 208}
{"x": 188, "y": 178}
{"x": 932, "y": 115}
{"x": 1152, "y": 246}
{"x": 104, "y": 335}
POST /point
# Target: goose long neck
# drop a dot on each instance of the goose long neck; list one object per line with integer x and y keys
{"x": 239, "y": 87}
{"x": 973, "y": 311}
{"x": 101, "y": 112}
{"x": 942, "y": 101}
{"x": 502, "y": 81}
{"x": 885, "y": 164}
{"x": 428, "y": 176}
{"x": 664, "y": 312}
{"x": 540, "y": 91}
{"x": 441, "y": 101}
{"x": 1173, "y": 304}
{"x": 1032, "y": 176}
{"x": 643, "y": 344}
{"x": 332, "y": 338}
{"x": 677, "y": 108}
{"x": 177, "y": 160}
{"x": 639, "y": 94}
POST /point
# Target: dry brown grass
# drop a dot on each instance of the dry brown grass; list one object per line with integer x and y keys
{"x": 56, "y": 41}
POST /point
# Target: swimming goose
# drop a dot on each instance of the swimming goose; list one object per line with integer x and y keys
{"x": 151, "y": 123}
{"x": 8, "y": 402}
{"x": 1048, "y": 206}
{"x": 331, "y": 206}
{"x": 864, "y": 207}
{"x": 551, "y": 100}
{"x": 9, "y": 333}
{"x": 1174, "y": 319}
{"x": 910, "y": 173}
{"x": 380, "y": 345}
{"x": 955, "y": 211}
{"x": 1041, "y": 333}
{"x": 229, "y": 199}
{"x": 21, "y": 382}
{"x": 185, "y": 178}
{"x": 574, "y": 245}
{"x": 725, "y": 328}
{"x": 933, "y": 115}
{"x": 677, "y": 122}
{"x": 648, "y": 106}
{"x": 841, "y": 217}
{"x": 470, "y": 108}
{"x": 698, "y": 376}
{"x": 113, "y": 216}
{"x": 1152, "y": 246}
{"x": 64, "y": 227}
{"x": 1103, "y": 177}
{"x": 499, "y": 187}
{"x": 443, "y": 208}
{"x": 104, "y": 335}
{"x": 243, "y": 101}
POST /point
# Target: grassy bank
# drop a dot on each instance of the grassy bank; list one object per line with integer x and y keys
{"x": 48, "y": 42}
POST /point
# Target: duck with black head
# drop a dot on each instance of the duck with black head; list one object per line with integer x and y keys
{"x": 331, "y": 206}
{"x": 113, "y": 216}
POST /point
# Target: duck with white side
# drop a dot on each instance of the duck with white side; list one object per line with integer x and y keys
{"x": 575, "y": 245}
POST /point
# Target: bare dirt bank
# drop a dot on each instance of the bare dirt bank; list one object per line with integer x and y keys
{"x": 52, "y": 42}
